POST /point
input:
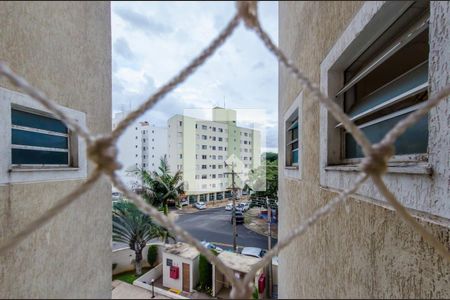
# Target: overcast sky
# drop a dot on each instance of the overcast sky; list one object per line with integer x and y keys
{"x": 152, "y": 41}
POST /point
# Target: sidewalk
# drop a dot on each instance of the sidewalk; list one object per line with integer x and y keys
{"x": 254, "y": 223}
{"x": 123, "y": 290}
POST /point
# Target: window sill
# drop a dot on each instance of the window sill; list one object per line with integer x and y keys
{"x": 417, "y": 168}
{"x": 291, "y": 168}
{"x": 39, "y": 169}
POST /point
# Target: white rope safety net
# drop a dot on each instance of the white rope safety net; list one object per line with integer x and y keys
{"x": 102, "y": 151}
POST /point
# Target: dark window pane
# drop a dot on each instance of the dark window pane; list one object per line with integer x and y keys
{"x": 295, "y": 156}
{"x": 21, "y": 137}
{"x": 27, "y": 119}
{"x": 414, "y": 140}
{"x": 24, "y": 156}
{"x": 411, "y": 80}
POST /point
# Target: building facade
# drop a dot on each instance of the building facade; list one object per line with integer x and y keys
{"x": 64, "y": 50}
{"x": 200, "y": 149}
{"x": 379, "y": 60}
{"x": 140, "y": 147}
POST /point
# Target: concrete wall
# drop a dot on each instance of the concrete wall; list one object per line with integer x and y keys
{"x": 64, "y": 49}
{"x": 146, "y": 279}
{"x": 178, "y": 261}
{"x": 369, "y": 252}
{"x": 124, "y": 258}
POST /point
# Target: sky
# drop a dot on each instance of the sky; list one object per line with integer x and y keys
{"x": 152, "y": 41}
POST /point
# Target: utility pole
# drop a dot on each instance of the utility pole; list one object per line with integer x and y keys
{"x": 233, "y": 186}
{"x": 269, "y": 241}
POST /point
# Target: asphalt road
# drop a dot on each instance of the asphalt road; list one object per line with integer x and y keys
{"x": 213, "y": 225}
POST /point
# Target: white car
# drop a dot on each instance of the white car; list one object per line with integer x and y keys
{"x": 200, "y": 205}
{"x": 229, "y": 206}
{"x": 253, "y": 251}
{"x": 212, "y": 246}
{"x": 184, "y": 202}
{"x": 243, "y": 207}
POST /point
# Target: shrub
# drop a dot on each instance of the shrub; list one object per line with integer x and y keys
{"x": 152, "y": 255}
{"x": 204, "y": 274}
{"x": 255, "y": 294}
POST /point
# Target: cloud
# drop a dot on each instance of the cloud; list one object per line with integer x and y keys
{"x": 140, "y": 21}
{"x": 258, "y": 65}
{"x": 121, "y": 48}
{"x": 153, "y": 41}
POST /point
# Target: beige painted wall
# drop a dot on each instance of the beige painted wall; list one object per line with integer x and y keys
{"x": 369, "y": 252}
{"x": 64, "y": 49}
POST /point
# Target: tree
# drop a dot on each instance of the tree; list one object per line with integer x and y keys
{"x": 270, "y": 156}
{"x": 152, "y": 255}
{"x": 160, "y": 187}
{"x": 134, "y": 228}
{"x": 264, "y": 180}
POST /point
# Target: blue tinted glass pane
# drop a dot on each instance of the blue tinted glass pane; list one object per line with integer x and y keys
{"x": 414, "y": 140}
{"x": 399, "y": 86}
{"x": 21, "y": 137}
{"x": 27, "y": 119}
{"x": 295, "y": 156}
{"x": 31, "y": 157}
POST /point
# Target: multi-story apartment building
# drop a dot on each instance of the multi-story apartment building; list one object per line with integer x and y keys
{"x": 141, "y": 146}
{"x": 200, "y": 149}
{"x": 63, "y": 49}
{"x": 378, "y": 60}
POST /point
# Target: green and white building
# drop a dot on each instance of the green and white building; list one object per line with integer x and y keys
{"x": 200, "y": 148}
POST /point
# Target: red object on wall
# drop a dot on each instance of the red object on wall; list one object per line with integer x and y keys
{"x": 261, "y": 283}
{"x": 174, "y": 272}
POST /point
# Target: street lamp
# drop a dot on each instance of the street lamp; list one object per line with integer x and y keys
{"x": 153, "y": 288}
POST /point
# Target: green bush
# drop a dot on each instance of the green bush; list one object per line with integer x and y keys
{"x": 255, "y": 294}
{"x": 152, "y": 255}
{"x": 204, "y": 274}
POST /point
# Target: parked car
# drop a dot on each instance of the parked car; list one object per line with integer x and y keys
{"x": 184, "y": 202}
{"x": 239, "y": 217}
{"x": 209, "y": 245}
{"x": 253, "y": 251}
{"x": 245, "y": 206}
{"x": 229, "y": 206}
{"x": 200, "y": 205}
{"x": 115, "y": 196}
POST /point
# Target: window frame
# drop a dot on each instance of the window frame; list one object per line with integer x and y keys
{"x": 406, "y": 175}
{"x": 406, "y": 34}
{"x": 68, "y": 135}
{"x": 18, "y": 173}
{"x": 293, "y": 171}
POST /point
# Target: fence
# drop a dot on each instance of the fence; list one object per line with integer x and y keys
{"x": 102, "y": 151}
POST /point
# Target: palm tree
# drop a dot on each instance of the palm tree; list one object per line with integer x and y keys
{"x": 159, "y": 187}
{"x": 134, "y": 228}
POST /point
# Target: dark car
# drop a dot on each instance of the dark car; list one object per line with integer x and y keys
{"x": 239, "y": 218}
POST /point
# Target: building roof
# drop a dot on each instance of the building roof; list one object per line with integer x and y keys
{"x": 238, "y": 262}
{"x": 182, "y": 250}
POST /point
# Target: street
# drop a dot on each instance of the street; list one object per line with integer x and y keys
{"x": 213, "y": 225}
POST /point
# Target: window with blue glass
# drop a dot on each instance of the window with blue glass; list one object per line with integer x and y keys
{"x": 38, "y": 140}
{"x": 387, "y": 83}
{"x": 292, "y": 141}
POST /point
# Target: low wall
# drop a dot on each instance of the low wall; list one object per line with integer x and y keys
{"x": 154, "y": 273}
{"x": 145, "y": 282}
{"x": 124, "y": 258}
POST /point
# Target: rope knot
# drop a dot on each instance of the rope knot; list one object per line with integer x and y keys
{"x": 103, "y": 153}
{"x": 244, "y": 292}
{"x": 248, "y": 12}
{"x": 376, "y": 162}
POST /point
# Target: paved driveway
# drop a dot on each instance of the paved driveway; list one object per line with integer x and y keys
{"x": 213, "y": 225}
